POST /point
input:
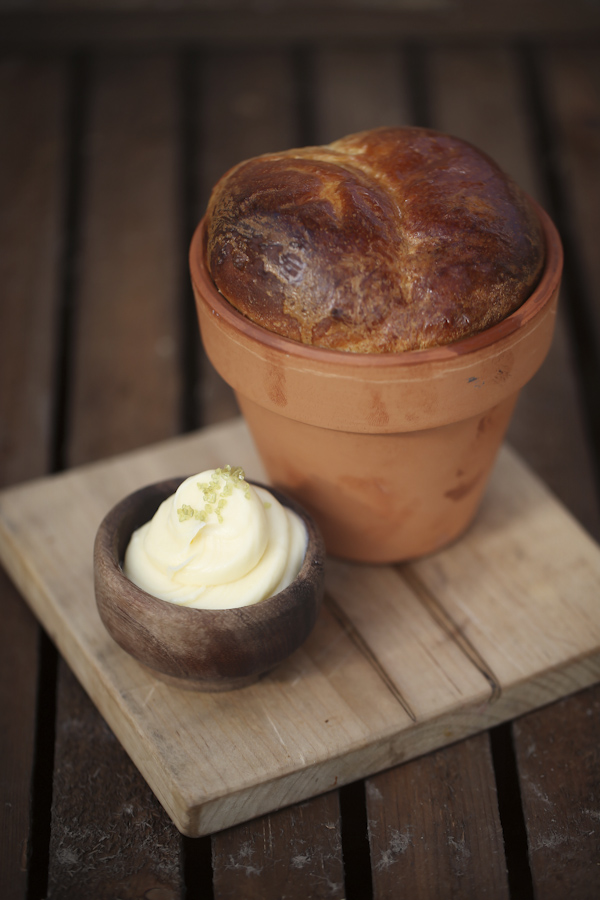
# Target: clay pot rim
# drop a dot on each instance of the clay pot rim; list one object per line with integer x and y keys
{"x": 522, "y": 316}
{"x": 106, "y": 545}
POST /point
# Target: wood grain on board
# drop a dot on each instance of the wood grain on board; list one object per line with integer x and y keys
{"x": 498, "y": 624}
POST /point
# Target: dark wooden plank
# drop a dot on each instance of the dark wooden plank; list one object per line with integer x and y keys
{"x": 572, "y": 82}
{"x": 294, "y": 853}
{"x": 125, "y": 376}
{"x": 110, "y": 837}
{"x": 32, "y": 106}
{"x": 249, "y": 21}
{"x": 559, "y": 763}
{"x": 32, "y": 110}
{"x": 476, "y": 94}
{"x": 245, "y": 107}
{"x": 18, "y": 683}
{"x": 570, "y": 96}
{"x": 358, "y": 87}
{"x": 434, "y": 827}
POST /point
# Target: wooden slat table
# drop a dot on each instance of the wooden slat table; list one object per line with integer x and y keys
{"x": 107, "y": 154}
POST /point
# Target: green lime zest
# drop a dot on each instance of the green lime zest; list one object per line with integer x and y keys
{"x": 215, "y": 492}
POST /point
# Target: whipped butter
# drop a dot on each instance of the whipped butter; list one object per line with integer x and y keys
{"x": 217, "y": 543}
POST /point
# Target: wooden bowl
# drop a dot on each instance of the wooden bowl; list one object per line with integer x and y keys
{"x": 201, "y": 649}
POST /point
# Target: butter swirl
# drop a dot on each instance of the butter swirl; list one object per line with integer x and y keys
{"x": 217, "y": 543}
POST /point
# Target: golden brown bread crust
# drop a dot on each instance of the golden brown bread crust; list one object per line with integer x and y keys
{"x": 384, "y": 241}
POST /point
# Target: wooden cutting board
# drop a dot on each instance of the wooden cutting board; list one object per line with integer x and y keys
{"x": 404, "y": 659}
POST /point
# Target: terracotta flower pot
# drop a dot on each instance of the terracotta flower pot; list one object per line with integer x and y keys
{"x": 390, "y": 452}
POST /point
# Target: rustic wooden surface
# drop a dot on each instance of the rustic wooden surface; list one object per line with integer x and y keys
{"x": 312, "y": 866}
{"x": 403, "y": 659}
{"x": 441, "y": 788}
{"x": 523, "y": 81}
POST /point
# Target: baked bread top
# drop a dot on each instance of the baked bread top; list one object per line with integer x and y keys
{"x": 384, "y": 241}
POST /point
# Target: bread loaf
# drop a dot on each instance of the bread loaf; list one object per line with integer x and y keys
{"x": 389, "y": 240}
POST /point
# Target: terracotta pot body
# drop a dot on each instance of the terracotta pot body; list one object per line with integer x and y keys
{"x": 391, "y": 453}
